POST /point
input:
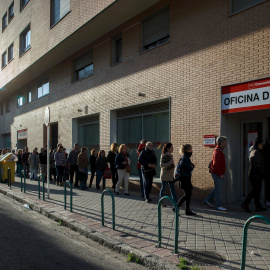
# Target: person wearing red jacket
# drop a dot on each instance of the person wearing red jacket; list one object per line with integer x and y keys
{"x": 217, "y": 169}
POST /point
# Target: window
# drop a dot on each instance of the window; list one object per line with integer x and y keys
{"x": 43, "y": 88}
{"x": 59, "y": 8}
{"x": 155, "y": 30}
{"x": 239, "y": 5}
{"x": 23, "y": 3}
{"x": 29, "y": 97}
{"x": 83, "y": 66}
{"x": 7, "y": 106}
{"x": 11, "y": 12}
{"x": 20, "y": 101}
{"x": 4, "y": 59}
{"x": 4, "y": 22}
{"x": 25, "y": 40}
{"x": 117, "y": 49}
{"x": 2, "y": 109}
{"x": 10, "y": 52}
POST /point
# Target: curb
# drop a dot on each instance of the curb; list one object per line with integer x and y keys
{"x": 146, "y": 259}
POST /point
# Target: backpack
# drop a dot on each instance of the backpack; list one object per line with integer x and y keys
{"x": 177, "y": 172}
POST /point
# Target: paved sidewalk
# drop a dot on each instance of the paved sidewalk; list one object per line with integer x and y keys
{"x": 205, "y": 239}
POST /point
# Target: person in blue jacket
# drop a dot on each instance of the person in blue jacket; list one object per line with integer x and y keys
{"x": 186, "y": 167}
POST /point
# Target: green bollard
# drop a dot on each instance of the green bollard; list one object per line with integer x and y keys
{"x": 39, "y": 187}
{"x": 43, "y": 188}
{"x": 24, "y": 182}
{"x": 65, "y": 194}
{"x": 102, "y": 208}
{"x": 21, "y": 181}
{"x": 176, "y": 222}
{"x": 244, "y": 241}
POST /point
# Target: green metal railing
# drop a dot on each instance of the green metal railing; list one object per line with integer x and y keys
{"x": 102, "y": 208}
{"x": 176, "y": 222}
{"x": 244, "y": 242}
{"x": 9, "y": 177}
{"x": 43, "y": 188}
{"x": 23, "y": 174}
{"x": 65, "y": 194}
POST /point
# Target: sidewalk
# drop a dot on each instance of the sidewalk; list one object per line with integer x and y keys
{"x": 211, "y": 239}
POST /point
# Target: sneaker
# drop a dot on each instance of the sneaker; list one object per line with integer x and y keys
{"x": 221, "y": 208}
{"x": 208, "y": 203}
{"x": 267, "y": 204}
{"x": 147, "y": 200}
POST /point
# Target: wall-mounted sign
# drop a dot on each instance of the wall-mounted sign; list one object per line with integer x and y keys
{"x": 209, "y": 140}
{"x": 22, "y": 134}
{"x": 249, "y": 96}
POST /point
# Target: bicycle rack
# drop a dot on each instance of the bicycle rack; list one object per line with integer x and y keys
{"x": 102, "y": 207}
{"x": 65, "y": 194}
{"x": 176, "y": 222}
{"x": 244, "y": 242}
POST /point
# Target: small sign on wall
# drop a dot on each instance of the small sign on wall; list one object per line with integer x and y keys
{"x": 209, "y": 140}
{"x": 22, "y": 134}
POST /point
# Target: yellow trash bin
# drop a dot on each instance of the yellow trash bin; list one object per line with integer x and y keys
{"x": 7, "y": 161}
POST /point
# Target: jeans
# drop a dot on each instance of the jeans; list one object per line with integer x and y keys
{"x": 141, "y": 181}
{"x": 100, "y": 174}
{"x": 60, "y": 172}
{"x": 172, "y": 188}
{"x": 84, "y": 175}
{"x": 33, "y": 172}
{"x": 19, "y": 168}
{"x": 73, "y": 169}
{"x": 216, "y": 192}
{"x": 147, "y": 183}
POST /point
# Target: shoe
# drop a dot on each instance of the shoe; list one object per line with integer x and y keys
{"x": 267, "y": 204}
{"x": 150, "y": 200}
{"x": 259, "y": 209}
{"x": 57, "y": 183}
{"x": 97, "y": 187}
{"x": 221, "y": 208}
{"x": 89, "y": 186}
{"x": 116, "y": 193}
{"x": 147, "y": 200}
{"x": 208, "y": 203}
{"x": 245, "y": 208}
{"x": 190, "y": 213}
{"x": 127, "y": 194}
{"x": 76, "y": 186}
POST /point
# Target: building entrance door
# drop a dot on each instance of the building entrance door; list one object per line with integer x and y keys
{"x": 251, "y": 129}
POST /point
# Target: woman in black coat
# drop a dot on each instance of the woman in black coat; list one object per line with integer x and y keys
{"x": 111, "y": 159}
{"x": 92, "y": 161}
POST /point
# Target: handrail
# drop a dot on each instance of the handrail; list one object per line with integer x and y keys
{"x": 9, "y": 177}
{"x": 65, "y": 194}
{"x": 113, "y": 207}
{"x": 176, "y": 222}
{"x": 244, "y": 241}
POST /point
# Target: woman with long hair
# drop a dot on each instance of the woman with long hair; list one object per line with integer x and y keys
{"x": 92, "y": 161}
{"x": 111, "y": 159}
{"x": 167, "y": 171}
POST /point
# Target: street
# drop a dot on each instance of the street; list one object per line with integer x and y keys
{"x": 29, "y": 240}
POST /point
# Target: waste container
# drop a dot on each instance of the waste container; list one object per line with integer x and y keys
{"x": 7, "y": 161}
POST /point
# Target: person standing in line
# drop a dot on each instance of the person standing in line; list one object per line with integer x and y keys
{"x": 122, "y": 163}
{"x": 167, "y": 171}
{"x": 43, "y": 163}
{"x": 52, "y": 166}
{"x": 34, "y": 163}
{"x": 186, "y": 167}
{"x": 111, "y": 159}
{"x": 266, "y": 155}
{"x": 139, "y": 150}
{"x": 72, "y": 161}
{"x": 101, "y": 166}
{"x": 256, "y": 175}
{"x": 83, "y": 167}
{"x": 217, "y": 169}
{"x": 19, "y": 162}
{"x": 148, "y": 161}
{"x": 25, "y": 157}
{"x": 92, "y": 161}
{"x": 60, "y": 163}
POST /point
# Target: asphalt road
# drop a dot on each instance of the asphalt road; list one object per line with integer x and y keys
{"x": 29, "y": 240}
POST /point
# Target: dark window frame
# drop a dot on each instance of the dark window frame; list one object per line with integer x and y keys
{"x": 8, "y": 56}
{"x": 28, "y": 99}
{"x": 23, "y": 4}
{"x": 20, "y": 98}
{"x": 245, "y": 8}
{"x": 4, "y": 56}
{"x": 23, "y": 34}
{"x": 41, "y": 83}
{"x": 117, "y": 56}
{"x": 52, "y": 22}
{"x": 4, "y": 24}
{"x": 76, "y": 72}
{"x": 10, "y": 16}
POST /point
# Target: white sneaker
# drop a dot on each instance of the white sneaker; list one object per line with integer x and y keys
{"x": 267, "y": 204}
{"x": 208, "y": 203}
{"x": 221, "y": 208}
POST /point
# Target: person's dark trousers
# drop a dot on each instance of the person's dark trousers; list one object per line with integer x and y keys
{"x": 187, "y": 187}
{"x": 92, "y": 177}
{"x": 53, "y": 173}
{"x": 254, "y": 193}
{"x": 26, "y": 169}
{"x": 267, "y": 187}
{"x": 60, "y": 171}
{"x": 114, "y": 177}
{"x": 141, "y": 182}
{"x": 73, "y": 169}
{"x": 147, "y": 183}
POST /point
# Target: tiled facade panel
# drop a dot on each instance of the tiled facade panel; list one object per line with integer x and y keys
{"x": 207, "y": 49}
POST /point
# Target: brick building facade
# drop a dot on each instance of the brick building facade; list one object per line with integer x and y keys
{"x": 123, "y": 70}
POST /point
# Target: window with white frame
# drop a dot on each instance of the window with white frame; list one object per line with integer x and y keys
{"x": 156, "y": 30}
{"x": 117, "y": 49}
{"x": 239, "y": 5}
{"x": 11, "y": 11}
{"x": 25, "y": 40}
{"x": 20, "y": 101}
{"x": 4, "y": 59}
{"x": 23, "y": 3}
{"x": 4, "y": 22}
{"x": 59, "y": 8}
{"x": 10, "y": 52}
{"x": 43, "y": 88}
{"x": 83, "y": 66}
{"x": 29, "y": 96}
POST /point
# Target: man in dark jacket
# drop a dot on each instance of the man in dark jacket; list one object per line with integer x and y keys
{"x": 72, "y": 161}
{"x": 256, "y": 175}
{"x": 148, "y": 161}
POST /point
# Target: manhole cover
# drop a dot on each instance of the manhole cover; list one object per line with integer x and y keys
{"x": 204, "y": 257}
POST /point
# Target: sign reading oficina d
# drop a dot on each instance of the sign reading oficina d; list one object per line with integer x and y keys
{"x": 247, "y": 96}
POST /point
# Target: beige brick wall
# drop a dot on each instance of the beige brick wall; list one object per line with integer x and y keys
{"x": 207, "y": 49}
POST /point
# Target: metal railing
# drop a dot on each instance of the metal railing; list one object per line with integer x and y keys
{"x": 102, "y": 208}
{"x": 65, "y": 194}
{"x": 9, "y": 177}
{"x": 176, "y": 222}
{"x": 244, "y": 241}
